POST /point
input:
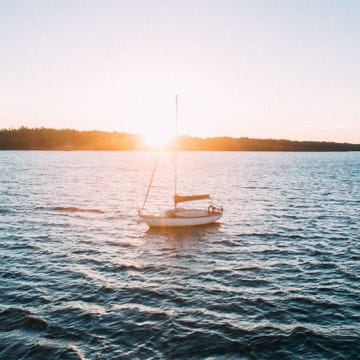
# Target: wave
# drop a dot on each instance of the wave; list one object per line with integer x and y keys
{"x": 71, "y": 209}
{"x": 76, "y": 209}
{"x": 5, "y": 211}
{"x": 20, "y": 319}
{"x": 23, "y": 349}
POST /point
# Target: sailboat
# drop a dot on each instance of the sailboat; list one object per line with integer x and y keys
{"x": 177, "y": 216}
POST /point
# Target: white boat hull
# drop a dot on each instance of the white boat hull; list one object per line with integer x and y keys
{"x": 178, "y": 221}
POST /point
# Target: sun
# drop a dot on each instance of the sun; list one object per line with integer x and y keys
{"x": 157, "y": 132}
{"x": 158, "y": 139}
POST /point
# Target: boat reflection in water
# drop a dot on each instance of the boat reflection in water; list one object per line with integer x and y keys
{"x": 177, "y": 237}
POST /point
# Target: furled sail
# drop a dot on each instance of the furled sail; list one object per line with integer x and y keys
{"x": 183, "y": 198}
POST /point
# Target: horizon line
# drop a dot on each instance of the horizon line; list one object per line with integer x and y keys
{"x": 179, "y": 136}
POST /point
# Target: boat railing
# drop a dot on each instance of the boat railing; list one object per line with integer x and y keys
{"x": 214, "y": 209}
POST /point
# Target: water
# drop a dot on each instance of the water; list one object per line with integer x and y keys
{"x": 277, "y": 279}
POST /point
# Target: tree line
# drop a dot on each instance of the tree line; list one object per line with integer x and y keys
{"x": 65, "y": 139}
{"x": 249, "y": 144}
{"x": 25, "y": 138}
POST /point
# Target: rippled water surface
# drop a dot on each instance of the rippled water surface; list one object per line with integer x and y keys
{"x": 277, "y": 278}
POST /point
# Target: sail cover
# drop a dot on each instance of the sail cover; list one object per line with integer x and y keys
{"x": 183, "y": 198}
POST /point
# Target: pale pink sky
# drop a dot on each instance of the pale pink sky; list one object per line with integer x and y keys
{"x": 264, "y": 69}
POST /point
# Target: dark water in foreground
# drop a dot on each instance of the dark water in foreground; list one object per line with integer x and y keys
{"x": 277, "y": 279}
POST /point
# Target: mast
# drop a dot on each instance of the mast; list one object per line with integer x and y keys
{"x": 176, "y": 151}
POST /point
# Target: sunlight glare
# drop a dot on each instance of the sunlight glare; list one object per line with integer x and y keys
{"x": 158, "y": 139}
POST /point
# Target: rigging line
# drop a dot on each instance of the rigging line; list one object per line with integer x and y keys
{"x": 151, "y": 180}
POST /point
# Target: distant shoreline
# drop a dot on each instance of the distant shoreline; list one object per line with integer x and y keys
{"x": 47, "y": 139}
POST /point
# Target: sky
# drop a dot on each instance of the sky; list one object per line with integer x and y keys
{"x": 285, "y": 69}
